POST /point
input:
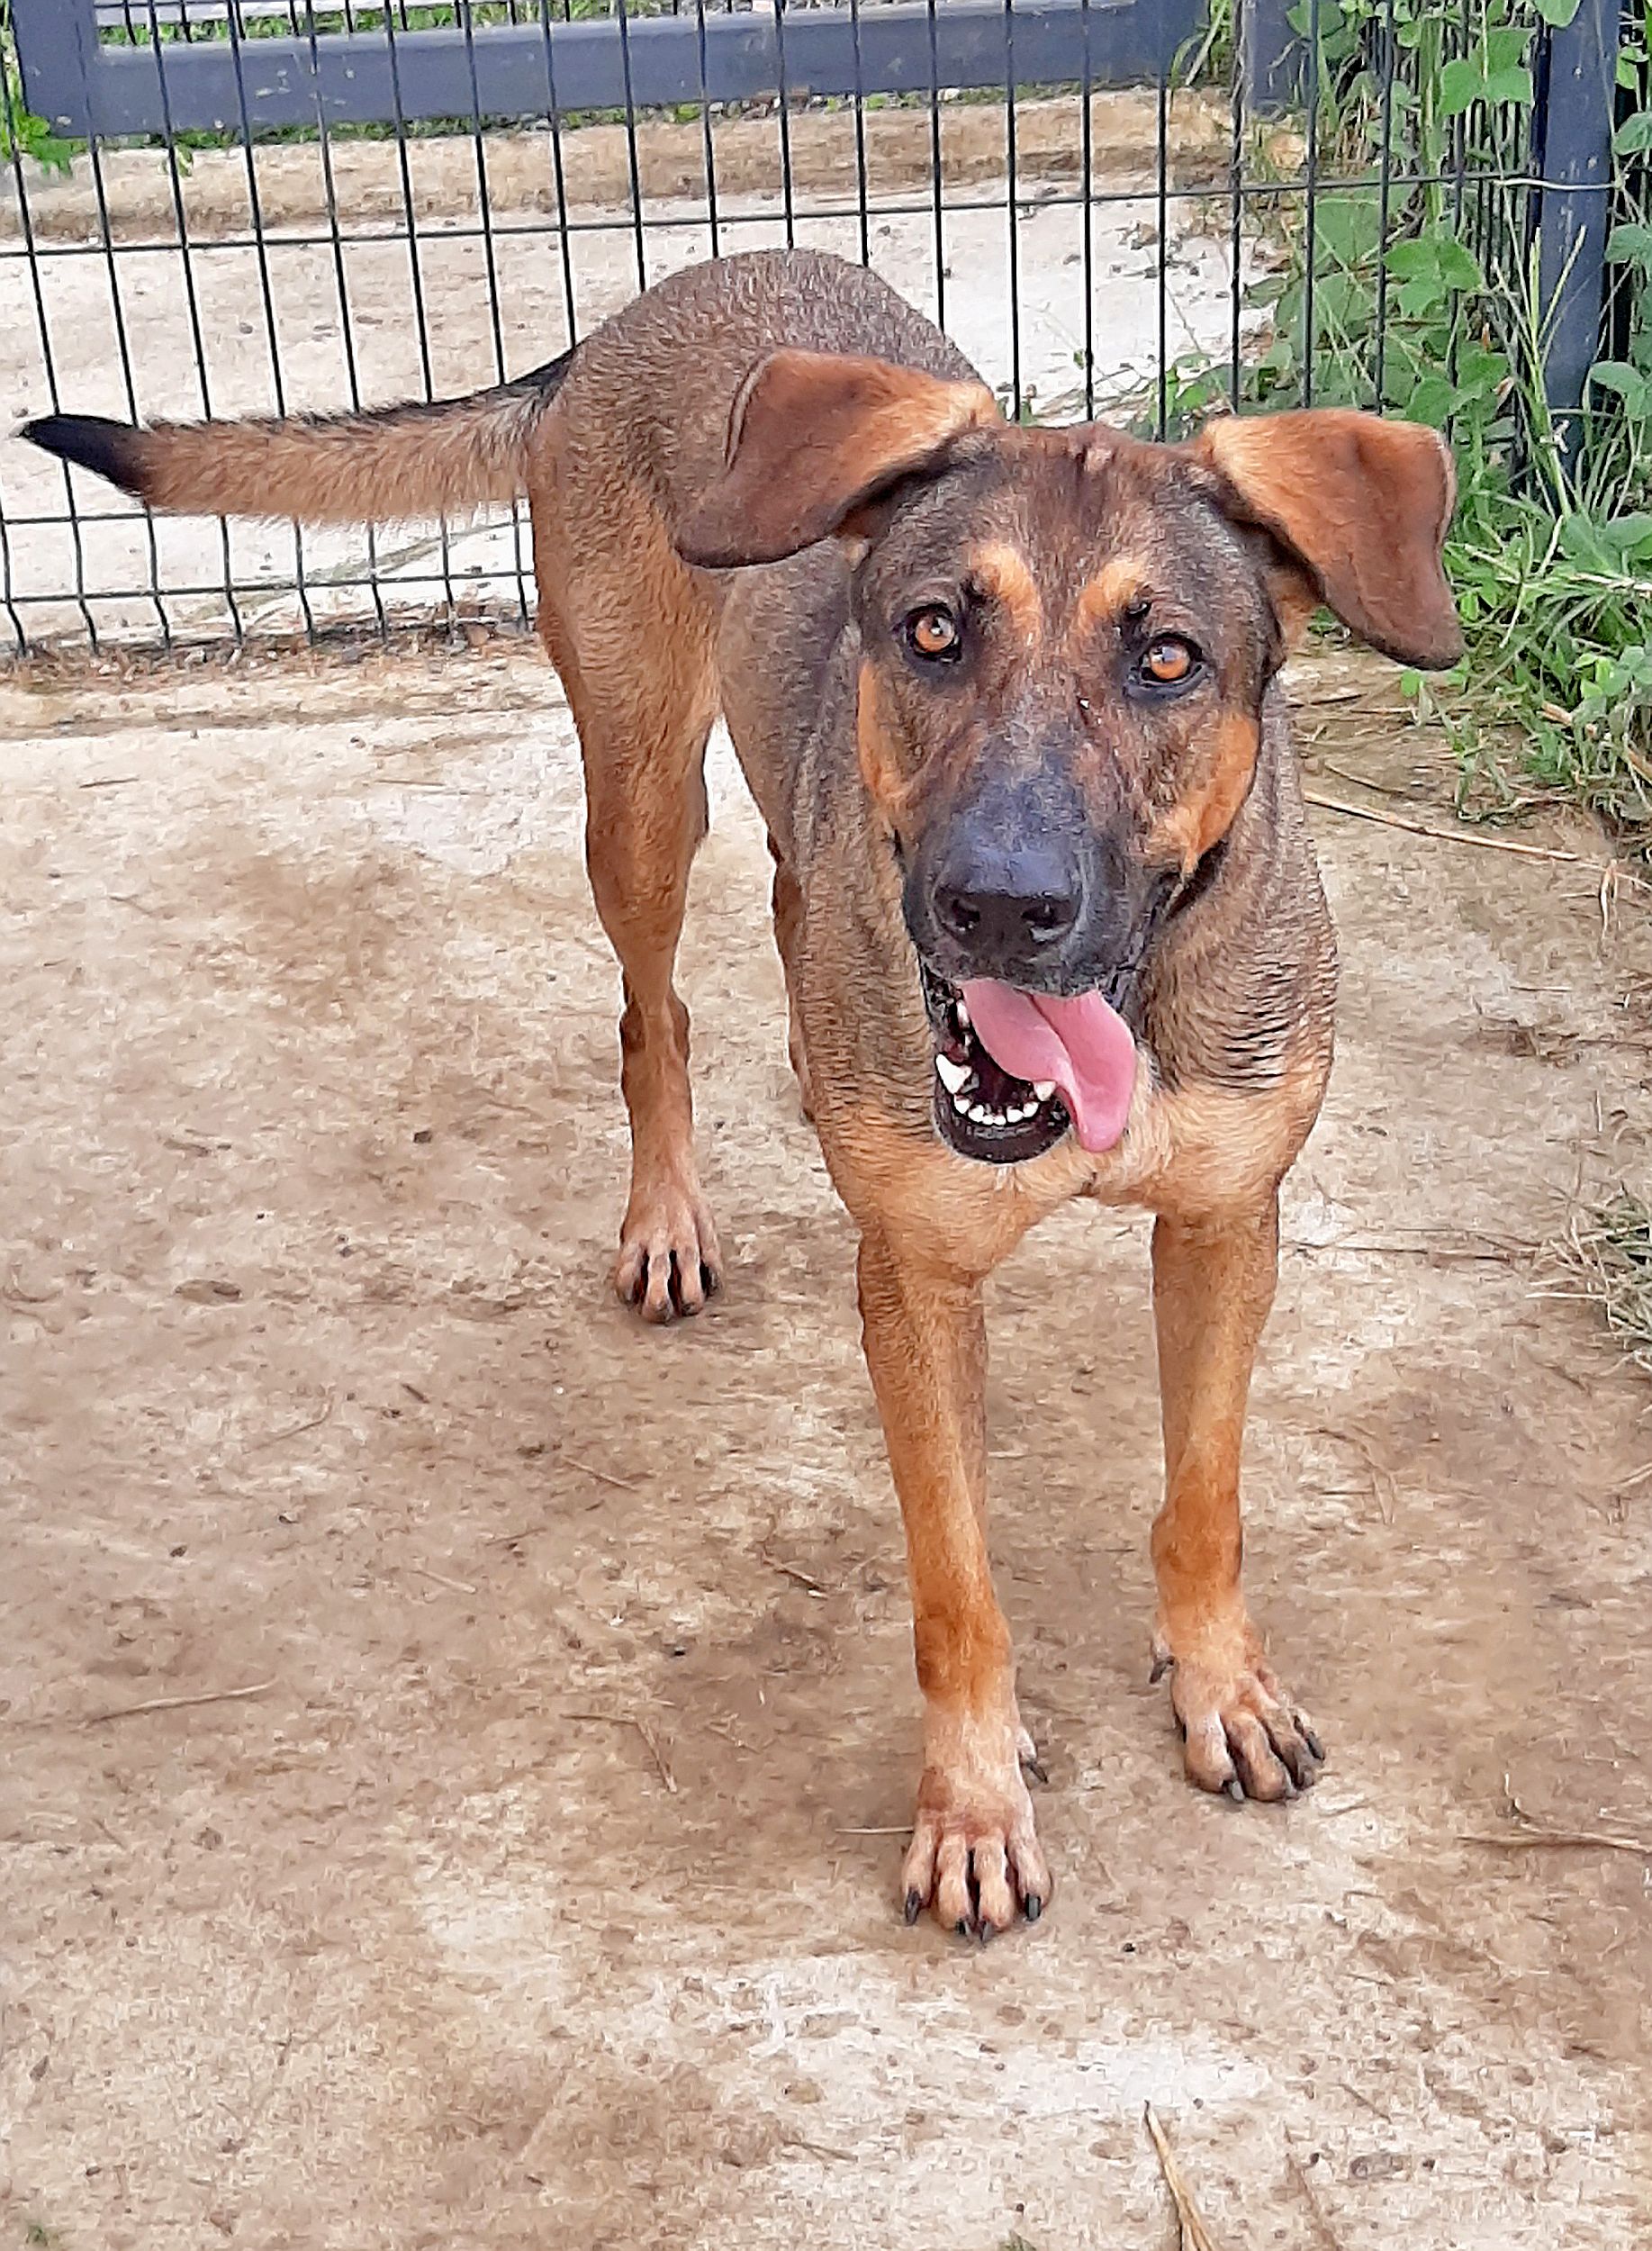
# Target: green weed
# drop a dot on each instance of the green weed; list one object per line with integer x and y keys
{"x": 403, "y": 16}
{"x": 1411, "y": 284}
{"x": 23, "y": 134}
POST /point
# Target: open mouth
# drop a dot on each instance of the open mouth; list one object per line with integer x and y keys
{"x": 982, "y": 1110}
{"x": 1016, "y": 1071}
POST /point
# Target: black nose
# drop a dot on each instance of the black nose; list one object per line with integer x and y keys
{"x": 1007, "y": 910}
{"x": 1006, "y": 918}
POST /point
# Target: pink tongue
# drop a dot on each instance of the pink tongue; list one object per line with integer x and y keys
{"x": 1081, "y": 1044}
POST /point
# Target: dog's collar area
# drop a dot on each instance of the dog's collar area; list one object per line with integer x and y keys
{"x": 981, "y": 1110}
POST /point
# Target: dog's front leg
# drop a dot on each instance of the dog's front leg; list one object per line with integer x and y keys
{"x": 974, "y": 1855}
{"x": 1213, "y": 1287}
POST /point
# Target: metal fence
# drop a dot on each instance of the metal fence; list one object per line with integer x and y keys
{"x": 280, "y": 204}
{"x": 93, "y": 69}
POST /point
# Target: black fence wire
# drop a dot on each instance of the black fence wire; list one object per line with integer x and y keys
{"x": 1128, "y": 208}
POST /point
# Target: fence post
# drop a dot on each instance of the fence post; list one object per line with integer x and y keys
{"x": 1576, "y": 153}
{"x": 57, "y": 51}
{"x": 1272, "y": 58}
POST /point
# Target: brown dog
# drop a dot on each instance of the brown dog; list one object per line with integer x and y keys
{"x": 1050, "y": 922}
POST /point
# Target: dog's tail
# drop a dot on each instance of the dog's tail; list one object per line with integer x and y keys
{"x": 380, "y": 466}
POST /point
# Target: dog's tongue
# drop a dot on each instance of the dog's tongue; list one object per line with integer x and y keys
{"x": 1081, "y": 1044}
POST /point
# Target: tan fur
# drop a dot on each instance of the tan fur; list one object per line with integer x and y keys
{"x": 1103, "y": 599}
{"x": 1362, "y": 503}
{"x": 878, "y": 770}
{"x": 344, "y": 469}
{"x": 1004, "y": 577}
{"x": 845, "y": 425}
{"x": 1188, "y": 830}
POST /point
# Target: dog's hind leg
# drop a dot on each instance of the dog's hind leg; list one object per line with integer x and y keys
{"x": 634, "y": 652}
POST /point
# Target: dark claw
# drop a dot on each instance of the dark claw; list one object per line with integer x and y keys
{"x": 915, "y": 1904}
{"x": 1037, "y": 1769}
{"x": 1312, "y": 1740}
{"x": 985, "y": 1932}
{"x": 963, "y": 1926}
{"x": 1161, "y": 1666}
{"x": 1235, "y": 1789}
{"x": 708, "y": 1282}
{"x": 1297, "y": 1761}
{"x": 1033, "y": 1907}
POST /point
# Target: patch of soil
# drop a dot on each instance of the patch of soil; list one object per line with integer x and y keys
{"x": 507, "y": 1850}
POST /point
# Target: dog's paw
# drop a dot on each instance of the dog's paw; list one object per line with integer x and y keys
{"x": 669, "y": 1262}
{"x": 975, "y": 1857}
{"x": 1242, "y": 1735}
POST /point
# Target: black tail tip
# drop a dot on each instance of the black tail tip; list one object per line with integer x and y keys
{"x": 110, "y": 449}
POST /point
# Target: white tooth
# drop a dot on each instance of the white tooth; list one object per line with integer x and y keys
{"x": 982, "y": 1115}
{"x": 963, "y": 1014}
{"x": 960, "y": 1103}
{"x": 1044, "y": 1088}
{"x": 1028, "y": 1109}
{"x": 952, "y": 1075}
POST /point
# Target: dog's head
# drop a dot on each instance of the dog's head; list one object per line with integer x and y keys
{"x": 1066, "y": 635}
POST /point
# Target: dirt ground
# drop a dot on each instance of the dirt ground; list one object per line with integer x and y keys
{"x": 508, "y": 1856}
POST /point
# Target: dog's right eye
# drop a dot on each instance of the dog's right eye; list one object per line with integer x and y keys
{"x": 1169, "y": 661}
{"x": 931, "y": 632}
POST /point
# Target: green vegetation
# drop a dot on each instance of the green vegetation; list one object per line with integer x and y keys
{"x": 1408, "y": 279}
{"x": 1415, "y": 286}
{"x": 21, "y": 133}
{"x": 403, "y": 16}
{"x": 25, "y": 135}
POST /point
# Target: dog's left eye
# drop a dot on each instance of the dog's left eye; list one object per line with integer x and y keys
{"x": 1167, "y": 662}
{"x": 932, "y": 632}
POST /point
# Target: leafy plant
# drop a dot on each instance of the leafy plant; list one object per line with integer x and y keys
{"x": 22, "y": 133}
{"x": 1409, "y": 281}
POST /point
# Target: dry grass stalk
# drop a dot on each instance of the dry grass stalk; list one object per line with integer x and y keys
{"x": 1195, "y": 2234}
{"x": 1533, "y": 1834}
{"x": 176, "y": 1703}
{"x": 602, "y": 1476}
{"x": 1439, "y": 836}
{"x": 1611, "y": 1252}
{"x": 631, "y": 1720}
{"x": 1323, "y": 2228}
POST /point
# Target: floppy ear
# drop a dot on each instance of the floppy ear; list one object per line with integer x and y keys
{"x": 813, "y": 438}
{"x": 1359, "y": 507}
